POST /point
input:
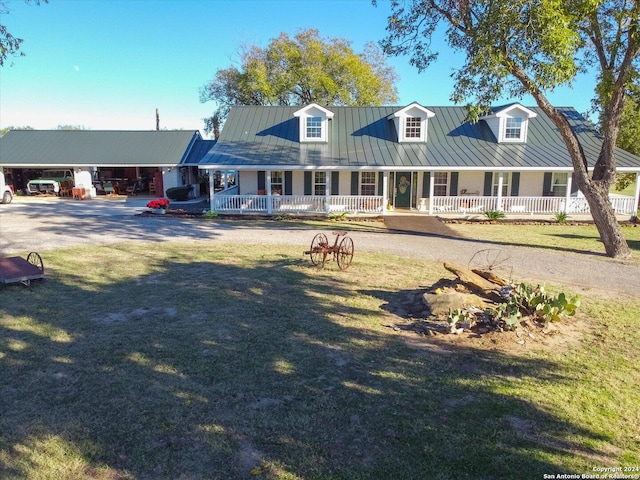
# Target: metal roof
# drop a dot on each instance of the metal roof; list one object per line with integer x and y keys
{"x": 198, "y": 151}
{"x": 363, "y": 138}
{"x": 53, "y": 148}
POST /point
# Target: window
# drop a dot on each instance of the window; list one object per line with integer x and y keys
{"x": 440, "y": 182}
{"x": 505, "y": 184}
{"x": 319, "y": 183}
{"x": 368, "y": 183}
{"x": 314, "y": 127}
{"x": 559, "y": 184}
{"x": 513, "y": 130}
{"x": 276, "y": 183}
{"x": 412, "y": 128}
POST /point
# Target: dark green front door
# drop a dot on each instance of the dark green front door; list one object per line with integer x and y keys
{"x": 403, "y": 189}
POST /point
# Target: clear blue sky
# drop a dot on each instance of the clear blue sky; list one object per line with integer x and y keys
{"x": 108, "y": 64}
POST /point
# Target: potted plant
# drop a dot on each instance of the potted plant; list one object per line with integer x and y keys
{"x": 158, "y": 206}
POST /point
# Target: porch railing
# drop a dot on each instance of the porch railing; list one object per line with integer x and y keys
{"x": 298, "y": 204}
{"x": 530, "y": 205}
{"x": 281, "y": 204}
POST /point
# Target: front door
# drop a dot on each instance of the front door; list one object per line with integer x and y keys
{"x": 402, "y": 190}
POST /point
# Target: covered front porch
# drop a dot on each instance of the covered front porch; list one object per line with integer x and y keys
{"x": 321, "y": 192}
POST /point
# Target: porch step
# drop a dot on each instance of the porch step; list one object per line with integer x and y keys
{"x": 421, "y": 224}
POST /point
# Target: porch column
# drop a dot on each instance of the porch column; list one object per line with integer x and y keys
{"x": 500, "y": 183}
{"x": 327, "y": 193}
{"x": 211, "y": 189}
{"x": 268, "y": 192}
{"x": 567, "y": 195}
{"x": 385, "y": 191}
{"x": 636, "y": 197}
{"x": 431, "y": 175}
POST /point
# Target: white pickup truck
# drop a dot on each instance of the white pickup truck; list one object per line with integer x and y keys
{"x": 49, "y": 182}
{"x": 6, "y": 191}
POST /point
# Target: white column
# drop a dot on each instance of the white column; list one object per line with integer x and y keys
{"x": 211, "y": 189}
{"x": 500, "y": 183}
{"x": 327, "y": 192}
{"x": 636, "y": 197}
{"x": 268, "y": 192}
{"x": 567, "y": 196}
{"x": 385, "y": 191}
{"x": 431, "y": 177}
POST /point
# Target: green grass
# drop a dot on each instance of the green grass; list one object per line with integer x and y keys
{"x": 206, "y": 360}
{"x": 567, "y": 237}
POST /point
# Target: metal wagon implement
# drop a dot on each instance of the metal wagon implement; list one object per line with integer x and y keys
{"x": 17, "y": 269}
{"x": 342, "y": 250}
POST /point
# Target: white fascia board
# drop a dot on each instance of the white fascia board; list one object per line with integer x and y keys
{"x": 404, "y": 111}
{"x": 507, "y": 111}
{"x": 313, "y": 106}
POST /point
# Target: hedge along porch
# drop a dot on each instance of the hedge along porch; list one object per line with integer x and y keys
{"x": 380, "y": 159}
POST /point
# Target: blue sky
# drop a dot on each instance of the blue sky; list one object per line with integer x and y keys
{"x": 108, "y": 64}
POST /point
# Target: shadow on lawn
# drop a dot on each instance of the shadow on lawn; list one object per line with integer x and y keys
{"x": 205, "y": 369}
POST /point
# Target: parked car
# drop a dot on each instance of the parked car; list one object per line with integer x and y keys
{"x": 6, "y": 191}
{"x": 49, "y": 182}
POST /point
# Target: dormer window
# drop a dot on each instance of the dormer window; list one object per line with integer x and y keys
{"x": 412, "y": 127}
{"x": 513, "y": 128}
{"x": 411, "y": 123}
{"x": 314, "y": 123}
{"x": 314, "y": 127}
{"x": 510, "y": 123}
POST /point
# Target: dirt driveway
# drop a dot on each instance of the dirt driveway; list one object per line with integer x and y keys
{"x": 37, "y": 224}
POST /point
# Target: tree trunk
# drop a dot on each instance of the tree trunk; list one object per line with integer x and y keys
{"x": 605, "y": 219}
{"x": 596, "y": 188}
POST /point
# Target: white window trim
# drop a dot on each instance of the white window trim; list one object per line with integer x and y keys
{"x": 316, "y": 184}
{"x": 375, "y": 182}
{"x": 498, "y": 123}
{"x": 412, "y": 111}
{"x": 311, "y": 111}
{"x": 445, "y": 184}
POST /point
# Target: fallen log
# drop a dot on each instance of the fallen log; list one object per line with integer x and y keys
{"x": 472, "y": 280}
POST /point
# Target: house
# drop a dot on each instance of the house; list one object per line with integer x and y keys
{"x": 382, "y": 159}
{"x": 105, "y": 161}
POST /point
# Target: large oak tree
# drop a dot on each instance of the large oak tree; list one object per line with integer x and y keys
{"x": 518, "y": 47}
{"x": 300, "y": 70}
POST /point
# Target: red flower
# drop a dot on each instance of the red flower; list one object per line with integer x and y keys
{"x": 159, "y": 203}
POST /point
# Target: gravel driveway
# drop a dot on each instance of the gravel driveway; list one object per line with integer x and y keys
{"x": 40, "y": 224}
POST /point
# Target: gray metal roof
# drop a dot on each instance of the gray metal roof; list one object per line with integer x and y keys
{"x": 48, "y": 148}
{"x": 363, "y": 138}
{"x": 198, "y": 151}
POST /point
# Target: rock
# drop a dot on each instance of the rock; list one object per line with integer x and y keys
{"x": 440, "y": 304}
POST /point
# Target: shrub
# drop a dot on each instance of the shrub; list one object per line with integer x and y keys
{"x": 494, "y": 214}
{"x": 179, "y": 193}
{"x": 561, "y": 217}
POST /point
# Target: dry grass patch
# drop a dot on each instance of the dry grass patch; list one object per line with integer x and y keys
{"x": 208, "y": 360}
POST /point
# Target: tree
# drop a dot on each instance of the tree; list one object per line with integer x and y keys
{"x": 6, "y": 130}
{"x": 299, "y": 71}
{"x": 629, "y": 138}
{"x": 518, "y": 47}
{"x": 10, "y": 45}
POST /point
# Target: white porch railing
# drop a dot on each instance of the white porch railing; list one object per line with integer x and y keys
{"x": 297, "y": 204}
{"x": 531, "y": 205}
{"x": 281, "y": 204}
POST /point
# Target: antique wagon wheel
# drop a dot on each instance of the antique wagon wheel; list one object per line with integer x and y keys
{"x": 319, "y": 248}
{"x": 35, "y": 259}
{"x": 344, "y": 255}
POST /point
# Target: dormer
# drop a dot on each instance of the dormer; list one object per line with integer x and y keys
{"x": 510, "y": 123}
{"x": 314, "y": 123}
{"x": 411, "y": 123}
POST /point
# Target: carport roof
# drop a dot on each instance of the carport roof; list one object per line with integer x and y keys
{"x": 80, "y": 148}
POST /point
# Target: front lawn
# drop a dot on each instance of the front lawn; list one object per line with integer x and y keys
{"x": 213, "y": 361}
